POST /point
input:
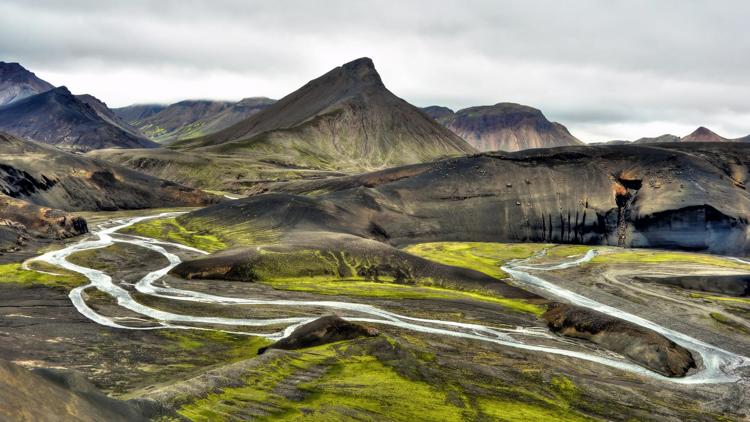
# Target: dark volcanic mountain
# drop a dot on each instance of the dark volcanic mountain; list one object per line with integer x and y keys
{"x": 703, "y": 134}
{"x": 629, "y": 195}
{"x": 17, "y": 83}
{"x": 503, "y": 126}
{"x": 60, "y": 118}
{"x": 137, "y": 112}
{"x": 346, "y": 118}
{"x": 179, "y": 119}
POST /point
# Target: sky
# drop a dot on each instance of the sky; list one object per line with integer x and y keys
{"x": 606, "y": 69}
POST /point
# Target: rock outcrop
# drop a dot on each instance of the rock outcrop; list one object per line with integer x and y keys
{"x": 324, "y": 330}
{"x": 647, "y": 348}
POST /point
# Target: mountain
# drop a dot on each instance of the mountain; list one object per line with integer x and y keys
{"x": 626, "y": 195}
{"x": 17, "y": 83}
{"x": 703, "y": 134}
{"x": 60, "y": 118}
{"x": 503, "y": 126}
{"x": 743, "y": 139}
{"x": 136, "y": 112}
{"x": 345, "y": 119}
{"x": 658, "y": 139}
{"x": 178, "y": 118}
{"x": 109, "y": 116}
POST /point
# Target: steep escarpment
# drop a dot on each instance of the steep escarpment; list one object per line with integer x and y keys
{"x": 647, "y": 347}
{"x": 636, "y": 196}
{"x": 503, "y": 126}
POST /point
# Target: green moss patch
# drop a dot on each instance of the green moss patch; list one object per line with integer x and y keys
{"x": 389, "y": 290}
{"x": 171, "y": 230}
{"x": 483, "y": 257}
{"x": 13, "y": 273}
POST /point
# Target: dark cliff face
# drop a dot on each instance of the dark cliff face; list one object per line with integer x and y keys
{"x": 624, "y": 195}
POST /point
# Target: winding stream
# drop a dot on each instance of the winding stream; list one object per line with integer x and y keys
{"x": 718, "y": 365}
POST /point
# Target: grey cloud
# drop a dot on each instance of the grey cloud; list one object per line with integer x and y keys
{"x": 587, "y": 63}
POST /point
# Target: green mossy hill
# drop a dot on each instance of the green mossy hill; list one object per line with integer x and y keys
{"x": 377, "y": 379}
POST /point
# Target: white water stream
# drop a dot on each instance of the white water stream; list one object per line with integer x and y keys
{"x": 719, "y": 364}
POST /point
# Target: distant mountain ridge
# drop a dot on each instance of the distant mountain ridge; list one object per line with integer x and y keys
{"x": 17, "y": 83}
{"x": 503, "y": 126}
{"x": 193, "y": 118}
{"x": 701, "y": 134}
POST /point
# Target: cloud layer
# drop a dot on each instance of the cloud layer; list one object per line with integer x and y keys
{"x": 607, "y": 70}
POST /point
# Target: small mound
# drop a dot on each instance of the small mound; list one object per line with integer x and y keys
{"x": 646, "y": 347}
{"x": 324, "y": 330}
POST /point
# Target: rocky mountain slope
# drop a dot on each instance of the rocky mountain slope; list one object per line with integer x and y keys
{"x": 59, "y": 118}
{"x": 17, "y": 83}
{"x": 106, "y": 114}
{"x": 503, "y": 126}
{"x": 345, "y": 119}
{"x": 689, "y": 196}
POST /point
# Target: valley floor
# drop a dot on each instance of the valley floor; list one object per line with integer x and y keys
{"x": 208, "y": 369}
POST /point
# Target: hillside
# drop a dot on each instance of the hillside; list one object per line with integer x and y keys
{"x": 625, "y": 195}
{"x": 17, "y": 83}
{"x": 503, "y": 126}
{"x": 59, "y": 118}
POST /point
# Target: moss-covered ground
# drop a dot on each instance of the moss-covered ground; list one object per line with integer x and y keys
{"x": 61, "y": 278}
{"x": 374, "y": 380}
{"x": 171, "y": 230}
{"x": 480, "y": 256}
{"x": 390, "y": 290}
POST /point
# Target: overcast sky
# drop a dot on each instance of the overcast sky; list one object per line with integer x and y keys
{"x": 605, "y": 69}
